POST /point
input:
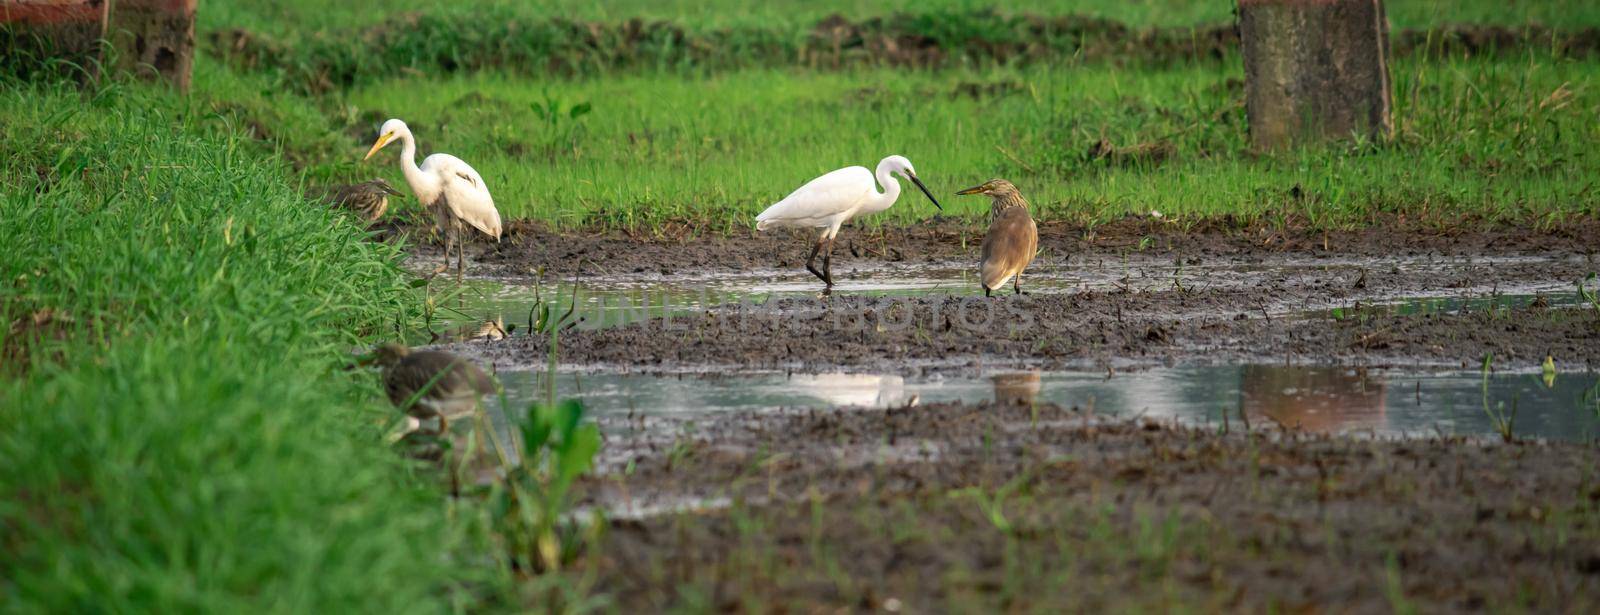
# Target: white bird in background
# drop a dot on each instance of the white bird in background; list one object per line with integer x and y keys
{"x": 829, "y": 201}
{"x": 448, "y": 187}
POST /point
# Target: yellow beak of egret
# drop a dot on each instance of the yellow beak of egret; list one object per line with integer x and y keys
{"x": 382, "y": 141}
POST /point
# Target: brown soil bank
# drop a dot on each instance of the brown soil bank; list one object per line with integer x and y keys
{"x": 515, "y": 42}
{"x": 955, "y": 508}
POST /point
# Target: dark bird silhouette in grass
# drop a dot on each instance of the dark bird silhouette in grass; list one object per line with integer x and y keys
{"x": 428, "y": 384}
{"x": 1012, "y": 240}
{"x": 367, "y": 199}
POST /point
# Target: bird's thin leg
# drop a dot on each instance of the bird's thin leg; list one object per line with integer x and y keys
{"x": 444, "y": 425}
{"x": 445, "y": 229}
{"x": 1016, "y": 283}
{"x": 827, "y": 264}
{"x": 987, "y": 292}
{"x": 461, "y": 250}
{"x": 815, "y": 248}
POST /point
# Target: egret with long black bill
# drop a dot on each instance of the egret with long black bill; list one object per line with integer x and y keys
{"x": 829, "y": 201}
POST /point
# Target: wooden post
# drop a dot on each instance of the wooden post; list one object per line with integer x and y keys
{"x": 32, "y": 32}
{"x": 1315, "y": 69}
{"x": 155, "y": 38}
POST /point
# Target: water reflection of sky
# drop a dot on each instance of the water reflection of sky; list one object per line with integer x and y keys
{"x": 1317, "y": 399}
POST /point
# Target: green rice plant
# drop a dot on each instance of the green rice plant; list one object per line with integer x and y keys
{"x": 531, "y": 508}
{"x": 1503, "y": 422}
{"x": 993, "y": 504}
{"x": 1591, "y": 297}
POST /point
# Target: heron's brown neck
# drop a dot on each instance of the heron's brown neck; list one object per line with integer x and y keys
{"x": 1003, "y": 202}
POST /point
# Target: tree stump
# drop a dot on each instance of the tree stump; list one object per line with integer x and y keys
{"x": 33, "y": 33}
{"x": 155, "y": 38}
{"x": 1314, "y": 70}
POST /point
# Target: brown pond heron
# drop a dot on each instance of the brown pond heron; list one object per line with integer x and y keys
{"x": 367, "y": 199}
{"x": 1012, "y": 240}
{"x": 431, "y": 383}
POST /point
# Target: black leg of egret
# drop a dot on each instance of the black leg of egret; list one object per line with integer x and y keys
{"x": 827, "y": 264}
{"x": 1016, "y": 284}
{"x": 461, "y": 250}
{"x": 445, "y": 229}
{"x": 815, "y": 248}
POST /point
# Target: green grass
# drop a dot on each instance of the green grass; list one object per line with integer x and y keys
{"x": 1502, "y": 139}
{"x": 1499, "y": 137}
{"x": 290, "y": 16}
{"x": 179, "y": 433}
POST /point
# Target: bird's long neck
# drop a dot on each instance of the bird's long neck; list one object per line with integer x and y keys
{"x": 1004, "y": 202}
{"x": 425, "y": 186}
{"x": 891, "y": 191}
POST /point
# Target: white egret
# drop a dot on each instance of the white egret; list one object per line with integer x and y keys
{"x": 829, "y": 201}
{"x": 447, "y": 186}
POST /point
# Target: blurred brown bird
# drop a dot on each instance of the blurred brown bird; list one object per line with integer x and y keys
{"x": 431, "y": 383}
{"x": 366, "y": 199}
{"x": 1012, "y": 240}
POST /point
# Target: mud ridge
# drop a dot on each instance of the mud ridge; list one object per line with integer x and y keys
{"x": 450, "y": 43}
{"x": 529, "y": 248}
{"x": 1039, "y": 508}
{"x": 1105, "y": 329}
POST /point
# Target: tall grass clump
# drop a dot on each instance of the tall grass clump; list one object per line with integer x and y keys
{"x": 178, "y": 434}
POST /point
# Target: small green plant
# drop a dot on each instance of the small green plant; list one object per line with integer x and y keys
{"x": 1504, "y": 422}
{"x": 993, "y": 505}
{"x": 563, "y": 132}
{"x": 543, "y": 318}
{"x": 531, "y": 508}
{"x": 553, "y": 112}
{"x": 1591, "y": 297}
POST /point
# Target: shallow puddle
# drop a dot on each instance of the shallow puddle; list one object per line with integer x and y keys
{"x": 1314, "y": 399}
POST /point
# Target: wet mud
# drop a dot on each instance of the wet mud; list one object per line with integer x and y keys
{"x": 954, "y": 507}
{"x": 529, "y": 248}
{"x": 1303, "y": 303}
{"x": 1063, "y": 331}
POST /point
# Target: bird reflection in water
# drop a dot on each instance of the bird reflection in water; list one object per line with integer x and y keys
{"x": 865, "y": 390}
{"x": 1314, "y": 399}
{"x": 1019, "y": 389}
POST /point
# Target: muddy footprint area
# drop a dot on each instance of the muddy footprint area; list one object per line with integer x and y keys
{"x": 1055, "y": 509}
{"x": 1121, "y": 310}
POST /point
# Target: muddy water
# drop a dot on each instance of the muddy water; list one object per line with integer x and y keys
{"x": 510, "y": 303}
{"x": 1319, "y": 399}
{"x": 1314, "y": 399}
